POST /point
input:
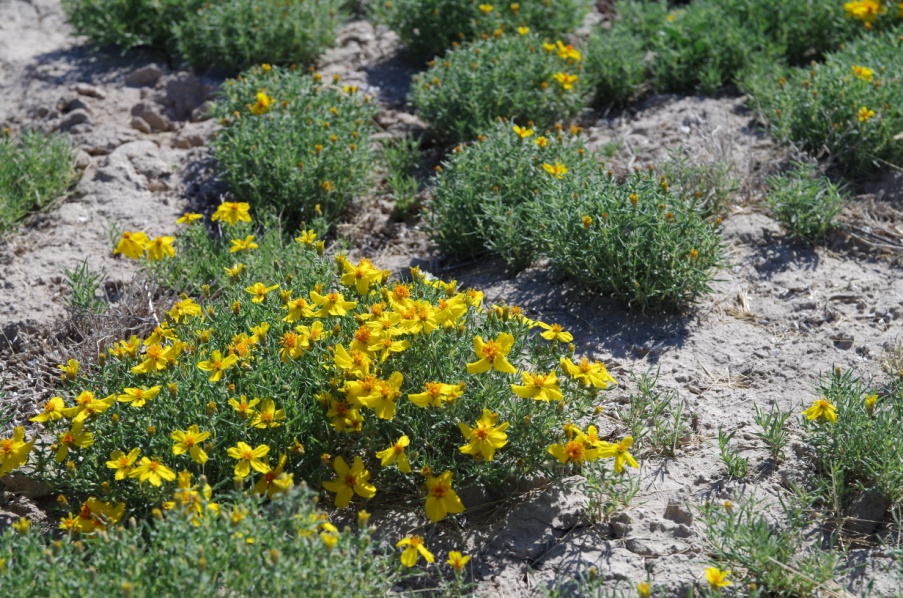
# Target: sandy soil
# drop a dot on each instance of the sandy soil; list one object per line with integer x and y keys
{"x": 781, "y": 314}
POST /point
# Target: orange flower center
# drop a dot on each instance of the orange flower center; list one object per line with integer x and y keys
{"x": 350, "y": 480}
{"x": 247, "y": 455}
{"x": 490, "y": 350}
{"x": 574, "y": 450}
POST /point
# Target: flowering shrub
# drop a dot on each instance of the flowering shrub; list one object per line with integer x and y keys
{"x": 637, "y": 241}
{"x": 615, "y": 65}
{"x": 429, "y": 27}
{"x": 293, "y": 142}
{"x": 848, "y": 106}
{"x": 486, "y": 192}
{"x": 35, "y": 168}
{"x": 322, "y": 371}
{"x": 515, "y": 75}
{"x": 237, "y": 34}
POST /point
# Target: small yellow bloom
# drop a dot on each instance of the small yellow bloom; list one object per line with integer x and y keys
{"x": 619, "y": 452}
{"x": 396, "y": 453}
{"x": 485, "y": 437}
{"x": 863, "y": 72}
{"x": 22, "y": 525}
{"x": 440, "y": 498}
{"x": 870, "y": 401}
{"x": 540, "y": 387}
{"x": 541, "y": 141}
{"x": 14, "y": 451}
{"x": 189, "y": 441}
{"x": 262, "y": 105}
{"x": 123, "y": 463}
{"x": 217, "y": 365}
{"x": 259, "y": 291}
{"x": 249, "y": 458}
{"x": 523, "y": 30}
{"x": 268, "y": 416}
{"x": 161, "y": 247}
{"x": 555, "y": 332}
{"x": 232, "y": 212}
{"x": 153, "y": 471}
{"x": 350, "y": 481}
{"x": 245, "y": 244}
{"x": 132, "y": 245}
{"x": 588, "y": 373}
{"x": 414, "y": 547}
{"x": 717, "y": 578}
{"x": 557, "y": 170}
{"x": 523, "y": 132}
{"x": 457, "y": 561}
{"x": 492, "y": 355}
{"x": 864, "y": 114}
{"x": 566, "y": 80}
{"x": 188, "y": 218}
{"x": 485, "y": 9}
{"x": 139, "y": 397}
{"x": 821, "y": 410}
{"x": 69, "y": 369}
{"x": 53, "y": 411}
{"x": 644, "y": 590}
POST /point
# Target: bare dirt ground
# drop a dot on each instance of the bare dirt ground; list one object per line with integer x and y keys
{"x": 781, "y": 315}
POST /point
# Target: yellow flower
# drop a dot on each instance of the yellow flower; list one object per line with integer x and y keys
{"x": 355, "y": 363}
{"x": 123, "y": 463}
{"x": 184, "y": 308}
{"x": 160, "y": 248}
{"x": 485, "y": 9}
{"x": 217, "y": 364}
{"x": 457, "y": 561}
{"x": 870, "y": 401}
{"x": 14, "y": 450}
{"x": 555, "y": 332}
{"x": 644, "y": 589}
{"x": 268, "y": 416}
{"x": 557, "y": 170}
{"x": 234, "y": 271}
{"x": 138, "y": 397}
{"x": 864, "y": 10}
{"x": 577, "y": 450}
{"x": 188, "y": 218}
{"x": 362, "y": 276}
{"x": 548, "y": 47}
{"x": 132, "y": 245}
{"x": 188, "y": 441}
{"x": 523, "y": 132}
{"x": 821, "y": 410}
{"x": 259, "y": 292}
{"x": 69, "y": 369}
{"x": 523, "y": 30}
{"x": 153, "y": 471}
{"x": 541, "y": 141}
{"x": 331, "y": 304}
{"x": 244, "y": 407}
{"x": 307, "y": 238}
{"x": 414, "y": 547}
{"x": 53, "y": 411}
{"x": 863, "y": 72}
{"x": 492, "y": 355}
{"x": 541, "y": 387}
{"x": 262, "y": 105}
{"x": 232, "y": 212}
{"x": 384, "y": 396}
{"x": 566, "y": 80}
{"x": 396, "y": 453}
{"x": 440, "y": 498}
{"x": 717, "y": 578}
{"x": 568, "y": 52}
{"x": 275, "y": 481}
{"x": 619, "y": 452}
{"x": 243, "y": 245}
{"x": 22, "y": 525}
{"x": 587, "y": 373}
{"x": 248, "y": 458}
{"x": 87, "y": 405}
{"x": 350, "y": 481}
{"x": 864, "y": 114}
{"x": 436, "y": 394}
{"x": 485, "y": 436}
{"x": 72, "y": 438}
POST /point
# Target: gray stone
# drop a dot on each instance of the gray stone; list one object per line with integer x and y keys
{"x": 620, "y": 524}
{"x": 69, "y": 104}
{"x": 152, "y": 116}
{"x": 25, "y": 486}
{"x": 75, "y": 117}
{"x": 678, "y": 513}
{"x": 89, "y": 90}
{"x": 140, "y": 124}
{"x": 146, "y": 76}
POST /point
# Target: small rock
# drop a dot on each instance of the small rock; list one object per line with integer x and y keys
{"x": 89, "y": 90}
{"x": 75, "y": 117}
{"x": 146, "y": 76}
{"x": 152, "y": 116}
{"x": 202, "y": 112}
{"x": 82, "y": 160}
{"x": 681, "y": 531}
{"x": 640, "y": 547}
{"x": 678, "y": 513}
{"x": 140, "y": 124}
{"x": 66, "y": 105}
{"x": 620, "y": 524}
{"x": 24, "y": 486}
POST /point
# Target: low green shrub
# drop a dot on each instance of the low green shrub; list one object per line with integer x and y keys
{"x": 516, "y": 76}
{"x": 430, "y": 27}
{"x": 293, "y": 143}
{"x": 236, "y": 547}
{"x": 636, "y": 241}
{"x": 804, "y": 202}
{"x": 615, "y": 65}
{"x": 485, "y": 193}
{"x": 35, "y": 168}
{"x": 238, "y": 34}
{"x": 520, "y": 198}
{"x": 129, "y": 23}
{"x": 847, "y": 108}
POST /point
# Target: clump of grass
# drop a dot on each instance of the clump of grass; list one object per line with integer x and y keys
{"x": 237, "y": 34}
{"x": 806, "y": 203}
{"x": 737, "y": 466}
{"x": 294, "y": 143}
{"x": 515, "y": 76}
{"x": 776, "y": 561}
{"x": 615, "y": 65}
{"x": 35, "y": 168}
{"x": 402, "y": 158}
{"x": 430, "y": 27}
{"x": 846, "y": 109}
{"x": 657, "y": 418}
{"x": 238, "y": 546}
